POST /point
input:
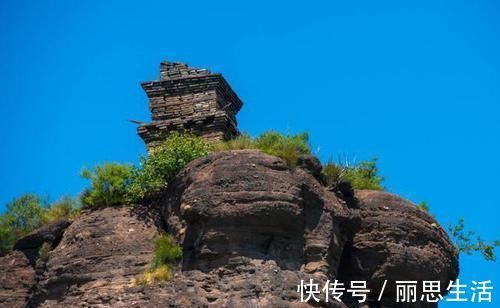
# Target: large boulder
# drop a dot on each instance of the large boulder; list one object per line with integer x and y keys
{"x": 256, "y": 226}
{"x": 50, "y": 234}
{"x": 397, "y": 242}
{"x": 17, "y": 278}
{"x": 311, "y": 165}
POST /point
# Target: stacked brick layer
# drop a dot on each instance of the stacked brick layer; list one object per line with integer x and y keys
{"x": 171, "y": 70}
{"x": 192, "y": 100}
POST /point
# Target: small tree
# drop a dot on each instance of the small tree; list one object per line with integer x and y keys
{"x": 464, "y": 241}
{"x": 108, "y": 184}
{"x": 22, "y": 215}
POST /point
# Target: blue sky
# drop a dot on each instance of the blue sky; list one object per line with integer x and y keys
{"x": 415, "y": 83}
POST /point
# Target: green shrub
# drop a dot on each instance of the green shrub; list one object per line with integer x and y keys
{"x": 65, "y": 208}
{"x": 423, "y": 206}
{"x": 108, "y": 185}
{"x": 164, "y": 162}
{"x": 288, "y": 147}
{"x": 364, "y": 175}
{"x": 333, "y": 173}
{"x": 43, "y": 252}
{"x": 7, "y": 238}
{"x": 177, "y": 150}
{"x": 166, "y": 254}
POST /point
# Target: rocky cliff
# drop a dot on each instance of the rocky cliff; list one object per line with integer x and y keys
{"x": 251, "y": 229}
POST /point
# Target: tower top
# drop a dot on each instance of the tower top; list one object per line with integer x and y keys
{"x": 191, "y": 100}
{"x": 174, "y": 70}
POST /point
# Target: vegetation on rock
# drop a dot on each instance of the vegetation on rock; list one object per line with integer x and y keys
{"x": 166, "y": 254}
{"x": 288, "y": 147}
{"x": 364, "y": 175}
{"x": 108, "y": 184}
{"x": 464, "y": 241}
{"x": 22, "y": 215}
{"x": 65, "y": 208}
{"x": 423, "y": 206}
{"x": 467, "y": 241}
{"x": 29, "y": 212}
{"x": 7, "y": 238}
{"x": 43, "y": 252}
{"x": 164, "y": 162}
{"x": 151, "y": 276}
{"x": 113, "y": 184}
{"x": 166, "y": 251}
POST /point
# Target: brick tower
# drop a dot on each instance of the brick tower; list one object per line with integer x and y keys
{"x": 190, "y": 99}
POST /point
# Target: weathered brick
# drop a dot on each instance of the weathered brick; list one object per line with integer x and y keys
{"x": 190, "y": 99}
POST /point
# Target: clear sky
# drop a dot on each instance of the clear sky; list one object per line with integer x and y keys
{"x": 416, "y": 83}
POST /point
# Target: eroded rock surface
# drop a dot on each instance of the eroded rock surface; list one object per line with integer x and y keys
{"x": 17, "y": 277}
{"x": 250, "y": 209}
{"x": 251, "y": 229}
{"x": 397, "y": 241}
{"x": 50, "y": 234}
{"x": 99, "y": 255}
{"x": 246, "y": 203}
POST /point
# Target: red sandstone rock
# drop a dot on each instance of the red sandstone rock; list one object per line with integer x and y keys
{"x": 397, "y": 241}
{"x": 17, "y": 277}
{"x": 251, "y": 229}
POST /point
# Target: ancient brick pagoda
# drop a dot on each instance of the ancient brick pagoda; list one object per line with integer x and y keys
{"x": 190, "y": 99}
